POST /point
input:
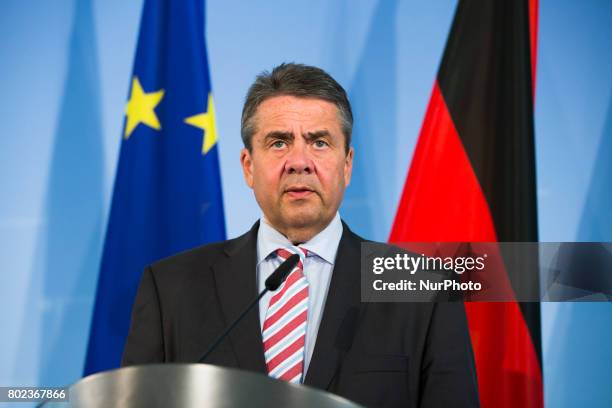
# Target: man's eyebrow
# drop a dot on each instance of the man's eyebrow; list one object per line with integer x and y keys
{"x": 315, "y": 135}
{"x": 277, "y": 134}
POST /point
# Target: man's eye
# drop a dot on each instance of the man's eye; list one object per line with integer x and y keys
{"x": 279, "y": 144}
{"x": 320, "y": 143}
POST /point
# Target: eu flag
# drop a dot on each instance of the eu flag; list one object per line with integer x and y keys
{"x": 167, "y": 193}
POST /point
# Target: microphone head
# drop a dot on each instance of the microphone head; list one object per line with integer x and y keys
{"x": 281, "y": 273}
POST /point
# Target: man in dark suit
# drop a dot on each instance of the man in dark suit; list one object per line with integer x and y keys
{"x": 296, "y": 128}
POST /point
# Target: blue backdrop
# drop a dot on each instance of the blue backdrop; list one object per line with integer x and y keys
{"x": 65, "y": 72}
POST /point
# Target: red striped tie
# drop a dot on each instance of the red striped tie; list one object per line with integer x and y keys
{"x": 284, "y": 330}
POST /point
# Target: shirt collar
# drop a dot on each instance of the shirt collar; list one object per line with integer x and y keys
{"x": 324, "y": 244}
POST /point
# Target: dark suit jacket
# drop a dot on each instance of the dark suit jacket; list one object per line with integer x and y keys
{"x": 387, "y": 355}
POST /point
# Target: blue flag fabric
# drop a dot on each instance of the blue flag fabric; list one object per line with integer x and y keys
{"x": 167, "y": 195}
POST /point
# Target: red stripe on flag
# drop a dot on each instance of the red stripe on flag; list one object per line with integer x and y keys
{"x": 508, "y": 370}
{"x": 440, "y": 174}
{"x": 533, "y": 40}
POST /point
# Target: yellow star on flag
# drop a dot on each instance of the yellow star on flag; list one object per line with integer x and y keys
{"x": 141, "y": 108}
{"x": 206, "y": 122}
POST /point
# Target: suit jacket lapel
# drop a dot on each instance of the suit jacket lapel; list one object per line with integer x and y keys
{"x": 235, "y": 276}
{"x": 344, "y": 293}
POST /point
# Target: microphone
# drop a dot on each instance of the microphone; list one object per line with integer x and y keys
{"x": 272, "y": 283}
{"x": 280, "y": 274}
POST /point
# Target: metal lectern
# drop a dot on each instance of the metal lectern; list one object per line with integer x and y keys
{"x": 192, "y": 385}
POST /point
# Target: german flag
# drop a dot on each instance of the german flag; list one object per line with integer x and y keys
{"x": 472, "y": 178}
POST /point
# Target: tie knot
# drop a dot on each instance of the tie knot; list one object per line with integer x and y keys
{"x": 285, "y": 253}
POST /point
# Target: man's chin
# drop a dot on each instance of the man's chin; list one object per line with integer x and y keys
{"x": 300, "y": 221}
{"x": 302, "y": 218}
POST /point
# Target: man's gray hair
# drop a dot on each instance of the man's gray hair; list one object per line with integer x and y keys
{"x": 298, "y": 80}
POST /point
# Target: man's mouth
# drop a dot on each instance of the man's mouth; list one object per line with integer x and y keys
{"x": 298, "y": 192}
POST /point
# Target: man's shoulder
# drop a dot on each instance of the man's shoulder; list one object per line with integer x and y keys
{"x": 204, "y": 256}
{"x": 349, "y": 235}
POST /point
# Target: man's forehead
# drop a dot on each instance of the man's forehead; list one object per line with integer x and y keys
{"x": 286, "y": 113}
{"x": 287, "y": 99}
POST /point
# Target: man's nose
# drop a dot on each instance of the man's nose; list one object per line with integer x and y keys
{"x": 298, "y": 160}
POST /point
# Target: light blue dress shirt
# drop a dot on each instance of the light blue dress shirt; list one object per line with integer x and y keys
{"x": 322, "y": 249}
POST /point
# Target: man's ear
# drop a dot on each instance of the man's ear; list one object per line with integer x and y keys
{"x": 348, "y": 167}
{"x": 247, "y": 166}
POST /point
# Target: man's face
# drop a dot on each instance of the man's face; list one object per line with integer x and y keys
{"x": 298, "y": 166}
